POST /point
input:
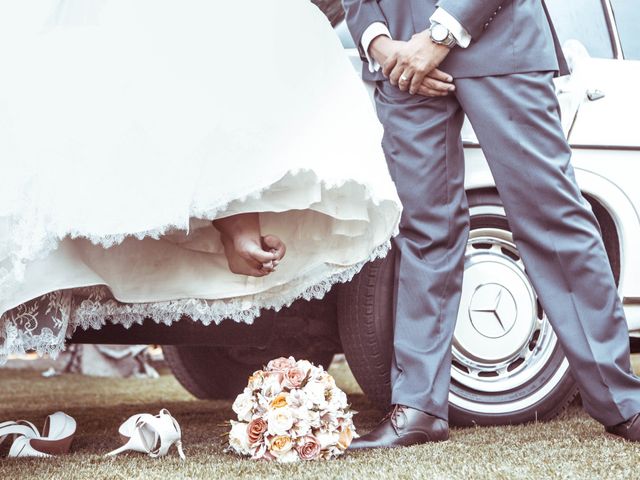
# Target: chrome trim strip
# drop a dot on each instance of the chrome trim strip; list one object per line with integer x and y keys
{"x": 576, "y": 146}
{"x": 604, "y": 147}
{"x": 613, "y": 29}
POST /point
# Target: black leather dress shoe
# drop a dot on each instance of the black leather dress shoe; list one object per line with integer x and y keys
{"x": 629, "y": 430}
{"x": 403, "y": 426}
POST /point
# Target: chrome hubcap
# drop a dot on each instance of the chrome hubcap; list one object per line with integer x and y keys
{"x": 502, "y": 338}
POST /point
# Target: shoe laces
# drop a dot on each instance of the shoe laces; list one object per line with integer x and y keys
{"x": 393, "y": 415}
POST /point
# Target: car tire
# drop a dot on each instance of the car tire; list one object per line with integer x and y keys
{"x": 519, "y": 376}
{"x": 209, "y": 372}
{"x": 365, "y": 324}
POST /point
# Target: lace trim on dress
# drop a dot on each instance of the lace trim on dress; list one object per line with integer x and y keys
{"x": 94, "y": 313}
{"x": 20, "y": 323}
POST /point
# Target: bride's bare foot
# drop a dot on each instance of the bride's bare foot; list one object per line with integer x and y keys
{"x": 247, "y": 252}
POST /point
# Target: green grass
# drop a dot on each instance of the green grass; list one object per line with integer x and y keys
{"x": 572, "y": 446}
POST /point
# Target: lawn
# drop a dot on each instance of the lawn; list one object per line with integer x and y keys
{"x": 572, "y": 446}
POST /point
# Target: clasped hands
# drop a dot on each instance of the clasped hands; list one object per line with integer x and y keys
{"x": 413, "y": 65}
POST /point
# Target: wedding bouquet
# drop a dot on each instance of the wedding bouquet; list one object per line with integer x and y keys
{"x": 290, "y": 411}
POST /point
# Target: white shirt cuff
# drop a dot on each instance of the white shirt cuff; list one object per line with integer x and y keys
{"x": 374, "y": 30}
{"x": 441, "y": 16}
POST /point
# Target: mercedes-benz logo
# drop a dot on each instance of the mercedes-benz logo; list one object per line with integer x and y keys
{"x": 492, "y": 310}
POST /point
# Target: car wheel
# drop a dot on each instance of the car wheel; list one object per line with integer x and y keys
{"x": 507, "y": 367}
{"x": 221, "y": 372}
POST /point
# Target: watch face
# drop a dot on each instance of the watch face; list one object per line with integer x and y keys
{"x": 439, "y": 33}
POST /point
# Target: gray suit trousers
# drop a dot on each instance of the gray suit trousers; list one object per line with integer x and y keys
{"x": 516, "y": 118}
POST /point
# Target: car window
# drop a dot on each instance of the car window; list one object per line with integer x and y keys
{"x": 583, "y": 20}
{"x": 627, "y": 14}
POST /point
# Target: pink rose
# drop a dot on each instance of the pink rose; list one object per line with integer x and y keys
{"x": 309, "y": 448}
{"x": 281, "y": 364}
{"x": 255, "y": 430}
{"x": 293, "y": 378}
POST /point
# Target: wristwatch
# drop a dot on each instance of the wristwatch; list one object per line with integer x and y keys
{"x": 441, "y": 35}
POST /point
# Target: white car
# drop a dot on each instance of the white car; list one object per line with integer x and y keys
{"x": 520, "y": 373}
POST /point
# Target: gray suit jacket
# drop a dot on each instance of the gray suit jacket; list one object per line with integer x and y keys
{"x": 509, "y": 36}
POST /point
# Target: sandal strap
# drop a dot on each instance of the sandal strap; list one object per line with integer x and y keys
{"x": 58, "y": 424}
{"x": 22, "y": 448}
{"x": 21, "y": 425}
{"x": 169, "y": 433}
{"x": 133, "y": 430}
{"x": 17, "y": 429}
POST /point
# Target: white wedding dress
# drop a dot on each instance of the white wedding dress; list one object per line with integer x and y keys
{"x": 126, "y": 126}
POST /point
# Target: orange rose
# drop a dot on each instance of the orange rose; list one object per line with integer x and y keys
{"x": 346, "y": 436}
{"x": 280, "y": 401}
{"x": 309, "y": 449}
{"x": 280, "y": 444}
{"x": 255, "y": 430}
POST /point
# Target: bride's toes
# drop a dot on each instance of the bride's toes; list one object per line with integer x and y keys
{"x": 254, "y": 254}
{"x": 274, "y": 245}
{"x": 240, "y": 266}
{"x": 240, "y": 261}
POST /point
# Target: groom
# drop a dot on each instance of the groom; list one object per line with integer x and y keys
{"x": 502, "y": 56}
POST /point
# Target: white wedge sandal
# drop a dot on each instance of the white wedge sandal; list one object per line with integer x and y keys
{"x": 57, "y": 436}
{"x": 150, "y": 434}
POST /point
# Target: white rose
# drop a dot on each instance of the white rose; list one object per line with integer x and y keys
{"x": 315, "y": 419}
{"x": 262, "y": 404}
{"x": 337, "y": 399}
{"x": 327, "y": 438}
{"x": 330, "y": 420}
{"x": 326, "y": 379}
{"x": 298, "y": 399}
{"x": 301, "y": 428}
{"x": 305, "y": 366}
{"x": 279, "y": 421}
{"x": 311, "y": 417}
{"x": 243, "y": 405}
{"x": 271, "y": 386}
{"x": 239, "y": 438}
{"x": 289, "y": 457}
{"x": 315, "y": 392}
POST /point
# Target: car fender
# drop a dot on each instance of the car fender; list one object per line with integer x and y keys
{"x": 611, "y": 197}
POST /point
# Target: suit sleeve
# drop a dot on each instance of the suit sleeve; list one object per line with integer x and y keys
{"x": 474, "y": 15}
{"x": 360, "y": 14}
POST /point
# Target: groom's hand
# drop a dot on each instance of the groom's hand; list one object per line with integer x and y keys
{"x": 408, "y": 66}
{"x": 436, "y": 84}
{"x": 382, "y": 48}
